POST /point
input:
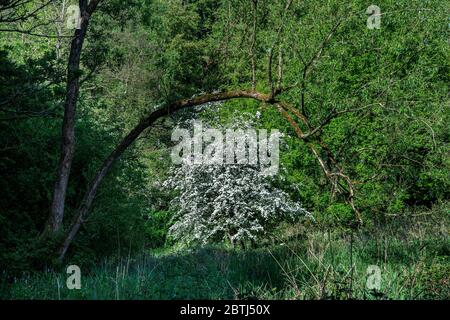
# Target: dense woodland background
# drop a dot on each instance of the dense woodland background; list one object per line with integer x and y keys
{"x": 377, "y": 114}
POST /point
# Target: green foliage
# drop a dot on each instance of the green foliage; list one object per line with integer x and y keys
{"x": 157, "y": 228}
{"x": 141, "y": 54}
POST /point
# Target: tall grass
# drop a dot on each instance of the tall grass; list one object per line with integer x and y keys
{"x": 319, "y": 264}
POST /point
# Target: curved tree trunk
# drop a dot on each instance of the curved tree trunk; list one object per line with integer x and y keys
{"x": 89, "y": 196}
{"x": 333, "y": 174}
{"x": 145, "y": 123}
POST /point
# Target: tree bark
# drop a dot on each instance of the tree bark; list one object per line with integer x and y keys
{"x": 68, "y": 127}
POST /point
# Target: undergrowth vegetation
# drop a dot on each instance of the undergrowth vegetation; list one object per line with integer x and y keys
{"x": 413, "y": 257}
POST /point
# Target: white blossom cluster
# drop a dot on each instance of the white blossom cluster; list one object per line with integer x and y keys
{"x": 208, "y": 146}
{"x": 233, "y": 202}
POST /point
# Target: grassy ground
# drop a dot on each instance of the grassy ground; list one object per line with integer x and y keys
{"x": 414, "y": 264}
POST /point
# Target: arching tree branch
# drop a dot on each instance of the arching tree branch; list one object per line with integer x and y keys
{"x": 283, "y": 107}
{"x": 145, "y": 123}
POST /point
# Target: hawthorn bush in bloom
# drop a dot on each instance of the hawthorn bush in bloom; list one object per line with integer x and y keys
{"x": 226, "y": 202}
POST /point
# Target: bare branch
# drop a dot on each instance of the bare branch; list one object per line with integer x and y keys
{"x": 277, "y": 37}
{"x": 310, "y": 64}
{"x": 253, "y": 44}
{"x": 280, "y": 69}
{"x": 272, "y": 89}
{"x": 15, "y": 5}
